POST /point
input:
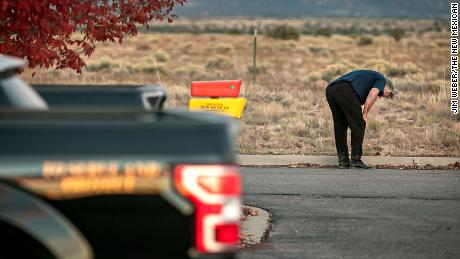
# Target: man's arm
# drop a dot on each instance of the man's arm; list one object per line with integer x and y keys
{"x": 370, "y": 100}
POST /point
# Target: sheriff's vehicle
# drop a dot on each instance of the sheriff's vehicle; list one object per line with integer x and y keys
{"x": 102, "y": 183}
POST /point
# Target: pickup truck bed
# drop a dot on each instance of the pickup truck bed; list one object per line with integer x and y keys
{"x": 193, "y": 136}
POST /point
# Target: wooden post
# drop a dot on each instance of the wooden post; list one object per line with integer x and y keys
{"x": 254, "y": 67}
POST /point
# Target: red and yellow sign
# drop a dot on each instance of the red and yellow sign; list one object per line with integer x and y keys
{"x": 215, "y": 89}
{"x": 230, "y": 106}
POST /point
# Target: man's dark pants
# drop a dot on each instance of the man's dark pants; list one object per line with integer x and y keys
{"x": 346, "y": 113}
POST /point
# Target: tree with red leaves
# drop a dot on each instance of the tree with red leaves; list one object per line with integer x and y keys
{"x": 55, "y": 33}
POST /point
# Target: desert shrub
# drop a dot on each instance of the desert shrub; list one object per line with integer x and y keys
{"x": 219, "y": 62}
{"x": 267, "y": 113}
{"x": 440, "y": 25}
{"x": 192, "y": 71}
{"x": 316, "y": 50}
{"x": 151, "y": 69}
{"x": 410, "y": 83}
{"x": 373, "y": 125}
{"x": 145, "y": 68}
{"x": 55, "y": 72}
{"x": 412, "y": 43}
{"x": 104, "y": 63}
{"x": 364, "y": 41}
{"x": 260, "y": 69}
{"x": 161, "y": 56}
{"x": 442, "y": 72}
{"x": 332, "y": 71}
{"x": 283, "y": 32}
{"x": 312, "y": 122}
{"x": 312, "y": 77}
{"x": 419, "y": 84}
{"x": 187, "y": 46}
{"x": 319, "y": 78}
{"x": 235, "y": 30}
{"x": 326, "y": 32}
{"x": 286, "y": 46}
{"x": 92, "y": 66}
{"x": 299, "y": 129}
{"x": 449, "y": 139}
{"x": 392, "y": 69}
{"x": 318, "y": 86}
{"x": 210, "y": 28}
{"x": 443, "y": 44}
{"x": 194, "y": 29}
{"x": 224, "y": 48}
{"x": 143, "y": 47}
{"x": 397, "y": 33}
{"x": 378, "y": 65}
{"x": 434, "y": 86}
{"x": 396, "y": 70}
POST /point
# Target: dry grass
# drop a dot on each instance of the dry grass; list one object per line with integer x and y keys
{"x": 287, "y": 112}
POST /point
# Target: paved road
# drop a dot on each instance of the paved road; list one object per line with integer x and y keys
{"x": 326, "y": 213}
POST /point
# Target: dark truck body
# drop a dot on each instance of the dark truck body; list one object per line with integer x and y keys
{"x": 137, "y": 97}
{"x": 134, "y": 225}
{"x": 84, "y": 181}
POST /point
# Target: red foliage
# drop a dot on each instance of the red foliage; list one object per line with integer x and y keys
{"x": 54, "y": 33}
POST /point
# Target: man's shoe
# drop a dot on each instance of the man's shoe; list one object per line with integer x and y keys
{"x": 358, "y": 164}
{"x": 344, "y": 163}
{"x": 344, "y": 166}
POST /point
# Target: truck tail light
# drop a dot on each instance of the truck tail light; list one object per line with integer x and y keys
{"x": 227, "y": 184}
{"x": 227, "y": 233}
{"x": 215, "y": 191}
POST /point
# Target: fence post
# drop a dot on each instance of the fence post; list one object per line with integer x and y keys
{"x": 254, "y": 67}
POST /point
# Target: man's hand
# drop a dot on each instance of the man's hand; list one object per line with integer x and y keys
{"x": 370, "y": 100}
{"x": 365, "y": 118}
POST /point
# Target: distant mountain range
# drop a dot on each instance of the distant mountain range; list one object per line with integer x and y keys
{"x": 317, "y": 8}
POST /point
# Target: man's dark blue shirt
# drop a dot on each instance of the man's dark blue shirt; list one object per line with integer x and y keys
{"x": 363, "y": 81}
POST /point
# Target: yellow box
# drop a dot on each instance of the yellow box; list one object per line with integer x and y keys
{"x": 230, "y": 106}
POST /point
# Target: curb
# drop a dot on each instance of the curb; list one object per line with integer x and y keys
{"x": 286, "y": 160}
{"x": 254, "y": 229}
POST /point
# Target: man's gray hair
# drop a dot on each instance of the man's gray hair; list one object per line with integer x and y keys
{"x": 392, "y": 88}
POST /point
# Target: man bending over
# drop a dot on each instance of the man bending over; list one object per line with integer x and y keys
{"x": 345, "y": 96}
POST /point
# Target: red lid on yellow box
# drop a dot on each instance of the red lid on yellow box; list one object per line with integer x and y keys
{"x": 226, "y": 88}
